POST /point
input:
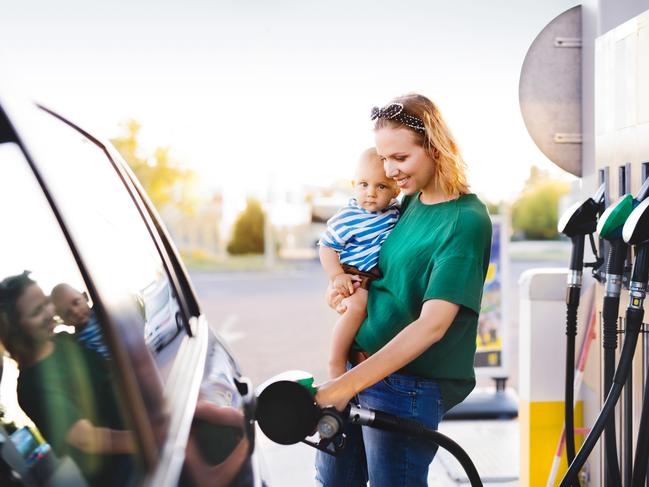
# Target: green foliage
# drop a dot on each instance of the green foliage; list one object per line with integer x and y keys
{"x": 163, "y": 179}
{"x": 248, "y": 231}
{"x": 536, "y": 213}
{"x": 492, "y": 207}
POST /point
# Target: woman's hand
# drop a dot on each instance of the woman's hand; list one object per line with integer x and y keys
{"x": 334, "y": 393}
{"x": 89, "y": 438}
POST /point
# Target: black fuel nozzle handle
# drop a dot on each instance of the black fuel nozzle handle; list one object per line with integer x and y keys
{"x": 287, "y": 414}
{"x": 581, "y": 218}
{"x": 577, "y": 253}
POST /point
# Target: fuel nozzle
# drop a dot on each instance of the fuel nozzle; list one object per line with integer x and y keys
{"x": 576, "y": 222}
{"x": 636, "y": 232}
{"x": 581, "y": 218}
{"x": 287, "y": 413}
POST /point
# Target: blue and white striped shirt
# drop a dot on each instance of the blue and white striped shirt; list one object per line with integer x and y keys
{"x": 357, "y": 234}
{"x": 91, "y": 337}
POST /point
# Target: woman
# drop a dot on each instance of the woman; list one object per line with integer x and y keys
{"x": 413, "y": 355}
{"x": 63, "y": 387}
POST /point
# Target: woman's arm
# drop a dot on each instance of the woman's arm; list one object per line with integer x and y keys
{"x": 431, "y": 326}
{"x": 88, "y": 438}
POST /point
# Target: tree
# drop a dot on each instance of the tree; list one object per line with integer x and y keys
{"x": 162, "y": 178}
{"x": 492, "y": 207}
{"x": 248, "y": 232}
{"x": 536, "y": 213}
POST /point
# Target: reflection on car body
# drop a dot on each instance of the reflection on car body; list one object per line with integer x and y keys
{"x": 162, "y": 317}
{"x": 72, "y": 211}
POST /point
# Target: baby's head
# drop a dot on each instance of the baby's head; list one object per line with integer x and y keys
{"x": 372, "y": 188}
{"x": 71, "y": 305}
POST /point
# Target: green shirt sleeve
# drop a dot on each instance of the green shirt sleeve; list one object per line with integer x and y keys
{"x": 457, "y": 279}
{"x": 59, "y": 416}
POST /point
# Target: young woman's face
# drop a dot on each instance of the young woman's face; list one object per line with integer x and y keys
{"x": 404, "y": 160}
{"x": 36, "y": 313}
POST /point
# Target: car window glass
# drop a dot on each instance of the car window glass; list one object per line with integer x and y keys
{"x": 142, "y": 306}
{"x": 110, "y": 233}
{"x": 64, "y": 418}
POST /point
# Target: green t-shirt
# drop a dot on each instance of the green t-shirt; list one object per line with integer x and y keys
{"x": 70, "y": 384}
{"x": 438, "y": 251}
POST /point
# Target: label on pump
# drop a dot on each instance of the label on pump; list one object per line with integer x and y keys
{"x": 491, "y": 324}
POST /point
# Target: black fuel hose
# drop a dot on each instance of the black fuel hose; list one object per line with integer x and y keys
{"x": 572, "y": 305}
{"x": 634, "y": 316}
{"x": 642, "y": 448}
{"x": 569, "y": 399}
{"x": 634, "y": 322}
{"x": 610, "y": 310}
{"x": 409, "y": 427}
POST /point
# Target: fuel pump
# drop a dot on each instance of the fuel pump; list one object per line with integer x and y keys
{"x": 287, "y": 413}
{"x": 635, "y": 232}
{"x": 577, "y": 222}
{"x": 610, "y": 228}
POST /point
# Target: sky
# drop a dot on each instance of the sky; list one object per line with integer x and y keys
{"x": 261, "y": 97}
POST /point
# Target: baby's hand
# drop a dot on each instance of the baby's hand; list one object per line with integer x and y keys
{"x": 344, "y": 284}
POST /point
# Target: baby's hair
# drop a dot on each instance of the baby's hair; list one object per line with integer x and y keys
{"x": 61, "y": 288}
{"x": 370, "y": 154}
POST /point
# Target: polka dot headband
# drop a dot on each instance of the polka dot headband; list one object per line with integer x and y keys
{"x": 394, "y": 111}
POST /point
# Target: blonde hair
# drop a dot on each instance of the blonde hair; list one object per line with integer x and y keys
{"x": 437, "y": 141}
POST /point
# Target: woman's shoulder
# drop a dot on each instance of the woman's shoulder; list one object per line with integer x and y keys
{"x": 471, "y": 207}
{"x": 473, "y": 218}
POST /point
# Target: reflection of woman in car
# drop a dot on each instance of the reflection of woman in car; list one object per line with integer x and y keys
{"x": 63, "y": 387}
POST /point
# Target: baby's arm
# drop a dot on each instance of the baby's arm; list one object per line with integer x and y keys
{"x": 330, "y": 261}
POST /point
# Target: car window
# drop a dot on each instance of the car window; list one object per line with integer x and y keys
{"x": 65, "y": 418}
{"x": 110, "y": 234}
{"x": 163, "y": 371}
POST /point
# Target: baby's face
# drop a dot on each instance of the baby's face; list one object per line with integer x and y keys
{"x": 372, "y": 188}
{"x": 72, "y": 307}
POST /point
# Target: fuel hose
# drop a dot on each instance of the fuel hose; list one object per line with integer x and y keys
{"x": 634, "y": 316}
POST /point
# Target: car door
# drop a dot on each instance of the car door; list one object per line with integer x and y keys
{"x": 76, "y": 216}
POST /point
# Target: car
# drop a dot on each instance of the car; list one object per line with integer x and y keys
{"x": 72, "y": 212}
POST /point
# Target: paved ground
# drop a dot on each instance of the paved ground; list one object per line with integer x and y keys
{"x": 277, "y": 321}
{"x": 292, "y": 466}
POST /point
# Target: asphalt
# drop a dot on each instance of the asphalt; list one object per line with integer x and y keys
{"x": 277, "y": 321}
{"x": 492, "y": 445}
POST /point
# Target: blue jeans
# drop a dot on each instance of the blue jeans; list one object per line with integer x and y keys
{"x": 384, "y": 458}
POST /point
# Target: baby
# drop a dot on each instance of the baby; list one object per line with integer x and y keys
{"x": 72, "y": 307}
{"x": 349, "y": 249}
